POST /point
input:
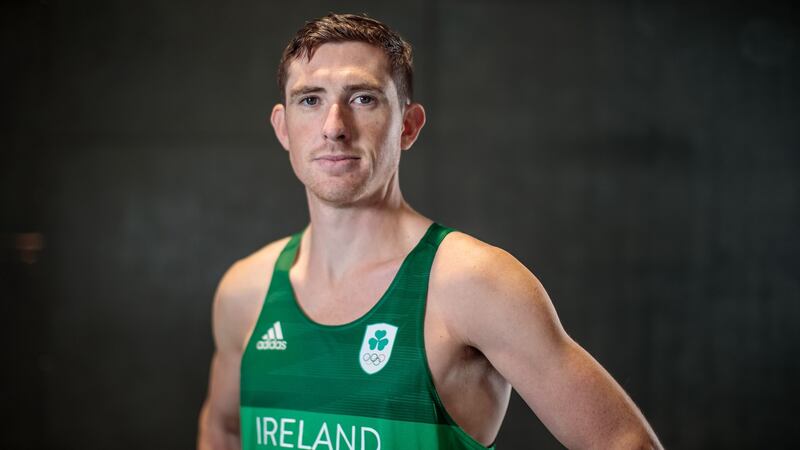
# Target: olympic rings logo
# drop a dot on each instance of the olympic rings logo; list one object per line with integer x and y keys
{"x": 374, "y": 358}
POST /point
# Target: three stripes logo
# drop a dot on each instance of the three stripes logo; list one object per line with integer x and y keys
{"x": 272, "y": 339}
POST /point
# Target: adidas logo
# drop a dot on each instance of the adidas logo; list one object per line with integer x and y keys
{"x": 273, "y": 339}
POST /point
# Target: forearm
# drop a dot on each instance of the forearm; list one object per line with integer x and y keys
{"x": 607, "y": 416}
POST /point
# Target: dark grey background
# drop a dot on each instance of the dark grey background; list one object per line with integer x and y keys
{"x": 641, "y": 157}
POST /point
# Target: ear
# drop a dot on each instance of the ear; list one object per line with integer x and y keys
{"x": 413, "y": 121}
{"x": 278, "y": 121}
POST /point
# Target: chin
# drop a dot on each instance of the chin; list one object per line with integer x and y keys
{"x": 337, "y": 194}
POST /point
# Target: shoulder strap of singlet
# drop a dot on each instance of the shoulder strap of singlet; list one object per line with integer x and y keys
{"x": 288, "y": 254}
{"x": 436, "y": 234}
{"x": 411, "y": 281}
{"x": 426, "y": 251}
{"x": 279, "y": 281}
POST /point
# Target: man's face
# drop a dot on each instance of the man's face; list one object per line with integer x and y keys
{"x": 342, "y": 123}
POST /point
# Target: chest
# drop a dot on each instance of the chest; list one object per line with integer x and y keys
{"x": 355, "y": 296}
{"x": 323, "y": 346}
{"x": 347, "y": 299}
{"x": 452, "y": 364}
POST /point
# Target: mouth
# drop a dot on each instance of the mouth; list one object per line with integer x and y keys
{"x": 338, "y": 165}
{"x": 335, "y": 158}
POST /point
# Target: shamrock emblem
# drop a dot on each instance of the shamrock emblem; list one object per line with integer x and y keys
{"x": 378, "y": 341}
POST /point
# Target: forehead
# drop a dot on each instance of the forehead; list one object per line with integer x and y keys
{"x": 340, "y": 62}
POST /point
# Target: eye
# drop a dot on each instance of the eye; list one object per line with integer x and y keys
{"x": 309, "y": 101}
{"x": 365, "y": 99}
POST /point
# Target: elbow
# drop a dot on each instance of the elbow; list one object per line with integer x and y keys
{"x": 216, "y": 432}
{"x": 642, "y": 440}
{"x": 202, "y": 433}
{"x": 649, "y": 444}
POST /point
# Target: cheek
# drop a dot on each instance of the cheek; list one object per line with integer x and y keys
{"x": 300, "y": 134}
{"x": 297, "y": 136}
{"x": 382, "y": 129}
{"x": 294, "y": 129}
{"x": 300, "y": 167}
{"x": 387, "y": 146}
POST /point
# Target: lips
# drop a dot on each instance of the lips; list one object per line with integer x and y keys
{"x": 335, "y": 158}
{"x": 338, "y": 164}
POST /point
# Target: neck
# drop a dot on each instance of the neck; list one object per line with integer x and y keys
{"x": 340, "y": 239}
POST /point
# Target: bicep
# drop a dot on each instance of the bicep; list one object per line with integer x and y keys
{"x": 220, "y": 415}
{"x": 223, "y": 391}
{"x": 219, "y": 419}
{"x": 578, "y": 401}
{"x": 574, "y": 396}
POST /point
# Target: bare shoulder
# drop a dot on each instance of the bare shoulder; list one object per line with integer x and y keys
{"x": 480, "y": 284}
{"x": 466, "y": 264}
{"x": 496, "y": 305}
{"x": 240, "y": 295}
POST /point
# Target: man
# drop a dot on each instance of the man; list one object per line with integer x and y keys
{"x": 375, "y": 327}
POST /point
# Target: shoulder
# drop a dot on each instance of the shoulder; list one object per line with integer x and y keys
{"x": 466, "y": 263}
{"x": 482, "y": 286}
{"x": 245, "y": 274}
{"x": 240, "y": 295}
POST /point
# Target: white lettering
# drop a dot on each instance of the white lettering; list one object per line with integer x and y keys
{"x": 270, "y": 433}
{"x": 351, "y": 444}
{"x": 271, "y": 344}
{"x": 364, "y": 439}
{"x": 327, "y": 441}
{"x": 285, "y": 432}
{"x": 300, "y": 437}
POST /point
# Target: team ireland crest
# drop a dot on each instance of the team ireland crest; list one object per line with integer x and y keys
{"x": 377, "y": 347}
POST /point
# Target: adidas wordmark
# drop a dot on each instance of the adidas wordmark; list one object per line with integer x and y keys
{"x": 273, "y": 339}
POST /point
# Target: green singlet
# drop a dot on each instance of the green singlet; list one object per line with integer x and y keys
{"x": 364, "y": 385}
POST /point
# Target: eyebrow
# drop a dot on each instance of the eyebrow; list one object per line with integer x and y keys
{"x": 363, "y": 87}
{"x": 348, "y": 89}
{"x": 304, "y": 90}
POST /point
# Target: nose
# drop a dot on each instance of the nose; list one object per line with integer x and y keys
{"x": 335, "y": 128}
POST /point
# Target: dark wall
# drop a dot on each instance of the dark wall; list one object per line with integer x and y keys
{"x": 641, "y": 157}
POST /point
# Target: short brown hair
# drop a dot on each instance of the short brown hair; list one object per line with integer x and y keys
{"x": 351, "y": 27}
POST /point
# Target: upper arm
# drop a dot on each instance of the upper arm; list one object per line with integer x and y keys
{"x": 219, "y": 422}
{"x": 506, "y": 313}
{"x": 235, "y": 309}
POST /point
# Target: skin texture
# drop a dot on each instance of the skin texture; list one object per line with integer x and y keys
{"x": 342, "y": 103}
